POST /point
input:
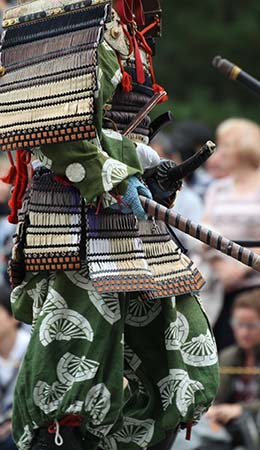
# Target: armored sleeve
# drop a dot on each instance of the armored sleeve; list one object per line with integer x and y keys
{"x": 60, "y": 74}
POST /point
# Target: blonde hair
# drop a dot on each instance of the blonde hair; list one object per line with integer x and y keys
{"x": 246, "y": 138}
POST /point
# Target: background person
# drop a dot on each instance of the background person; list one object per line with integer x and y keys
{"x": 239, "y": 395}
{"x": 233, "y": 209}
{"x": 13, "y": 344}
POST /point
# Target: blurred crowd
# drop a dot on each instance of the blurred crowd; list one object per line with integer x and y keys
{"x": 224, "y": 195}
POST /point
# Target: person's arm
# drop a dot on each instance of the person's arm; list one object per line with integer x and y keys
{"x": 252, "y": 407}
{"x": 88, "y": 167}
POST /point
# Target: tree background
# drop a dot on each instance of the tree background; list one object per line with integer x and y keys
{"x": 193, "y": 33}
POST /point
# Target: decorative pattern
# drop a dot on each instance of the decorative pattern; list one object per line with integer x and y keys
{"x": 64, "y": 325}
{"x": 107, "y": 304}
{"x": 113, "y": 172}
{"x": 200, "y": 351}
{"x": 131, "y": 358}
{"x": 38, "y": 295}
{"x": 16, "y": 292}
{"x": 25, "y": 440}
{"x": 177, "y": 333}
{"x": 97, "y": 404}
{"x": 53, "y": 302}
{"x": 73, "y": 369}
{"x": 75, "y": 172}
{"x": 139, "y": 432}
{"x": 178, "y": 385}
{"x": 100, "y": 431}
{"x": 142, "y": 312}
{"x": 48, "y": 398}
{"x": 76, "y": 408}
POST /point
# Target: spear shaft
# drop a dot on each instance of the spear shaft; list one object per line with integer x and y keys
{"x": 203, "y": 234}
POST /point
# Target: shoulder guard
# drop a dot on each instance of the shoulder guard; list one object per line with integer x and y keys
{"x": 48, "y": 71}
{"x": 115, "y": 36}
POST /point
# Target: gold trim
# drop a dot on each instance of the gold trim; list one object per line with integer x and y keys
{"x": 2, "y": 71}
{"x": 235, "y": 73}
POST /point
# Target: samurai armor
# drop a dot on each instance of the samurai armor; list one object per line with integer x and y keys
{"x": 49, "y": 72}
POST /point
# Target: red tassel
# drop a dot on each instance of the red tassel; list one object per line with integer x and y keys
{"x": 140, "y": 75}
{"x": 21, "y": 182}
{"x": 126, "y": 82}
{"x": 157, "y": 90}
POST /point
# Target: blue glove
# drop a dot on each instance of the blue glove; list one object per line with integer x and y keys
{"x": 131, "y": 202}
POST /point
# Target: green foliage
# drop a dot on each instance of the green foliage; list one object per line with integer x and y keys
{"x": 193, "y": 33}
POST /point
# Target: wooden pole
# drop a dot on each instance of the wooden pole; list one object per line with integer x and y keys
{"x": 201, "y": 233}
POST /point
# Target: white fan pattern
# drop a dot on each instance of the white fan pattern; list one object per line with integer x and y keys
{"x": 98, "y": 403}
{"x": 107, "y": 304}
{"x": 177, "y": 333}
{"x": 138, "y": 431}
{"x": 53, "y": 301}
{"x": 131, "y": 358}
{"x": 72, "y": 369}
{"x": 17, "y": 291}
{"x": 179, "y": 385}
{"x": 48, "y": 398}
{"x": 39, "y": 293}
{"x": 79, "y": 278}
{"x": 142, "y": 312}
{"x": 200, "y": 351}
{"x": 25, "y": 440}
{"x": 64, "y": 325}
{"x": 113, "y": 172}
{"x": 76, "y": 408}
{"x": 100, "y": 431}
{"x": 108, "y": 443}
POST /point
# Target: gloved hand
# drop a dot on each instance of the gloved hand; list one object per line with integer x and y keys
{"x": 130, "y": 202}
{"x": 148, "y": 156}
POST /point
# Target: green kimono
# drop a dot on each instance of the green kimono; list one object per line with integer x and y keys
{"x": 84, "y": 343}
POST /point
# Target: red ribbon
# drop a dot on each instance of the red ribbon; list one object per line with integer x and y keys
{"x": 131, "y": 13}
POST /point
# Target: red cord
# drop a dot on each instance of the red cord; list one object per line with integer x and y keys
{"x": 99, "y": 205}
{"x": 188, "y": 432}
{"x": 127, "y": 82}
{"x": 70, "y": 420}
{"x": 23, "y": 158}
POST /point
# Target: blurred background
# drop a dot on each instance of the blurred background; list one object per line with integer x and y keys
{"x": 224, "y": 194}
{"x": 193, "y": 33}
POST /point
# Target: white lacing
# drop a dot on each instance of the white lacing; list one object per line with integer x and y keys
{"x": 58, "y": 438}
